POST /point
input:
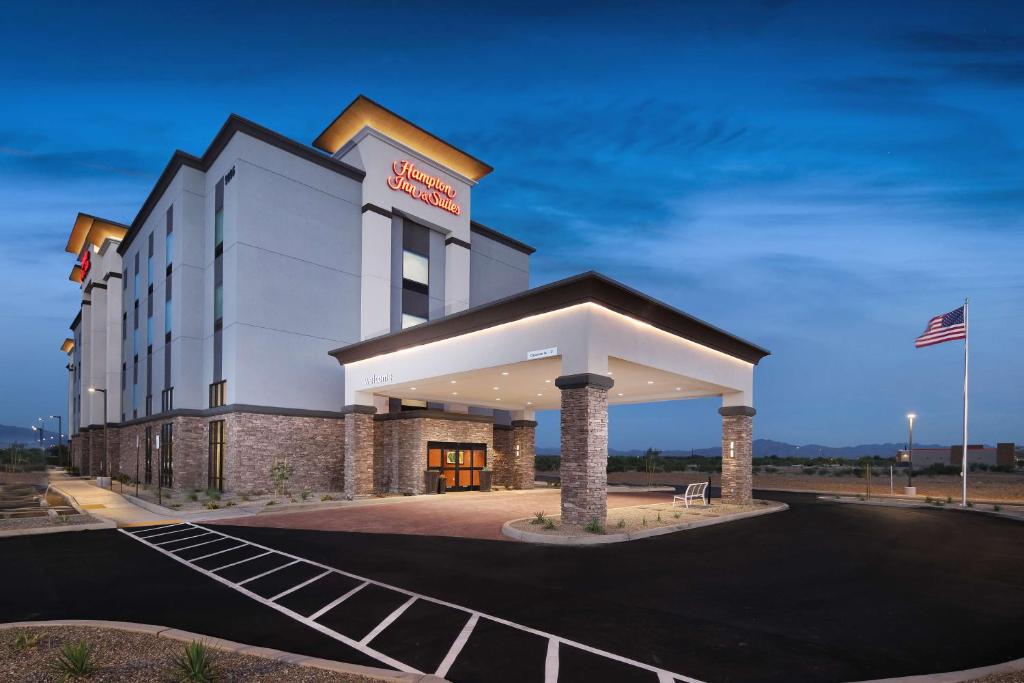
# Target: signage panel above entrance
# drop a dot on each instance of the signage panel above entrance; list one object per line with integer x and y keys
{"x": 542, "y": 353}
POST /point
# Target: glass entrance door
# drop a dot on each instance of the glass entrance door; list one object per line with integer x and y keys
{"x": 459, "y": 463}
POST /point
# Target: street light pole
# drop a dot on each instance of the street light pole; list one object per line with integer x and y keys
{"x": 60, "y": 431}
{"x": 106, "y": 440}
{"x": 910, "y": 450}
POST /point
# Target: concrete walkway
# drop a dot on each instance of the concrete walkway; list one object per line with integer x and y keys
{"x": 468, "y": 514}
{"x": 104, "y": 504}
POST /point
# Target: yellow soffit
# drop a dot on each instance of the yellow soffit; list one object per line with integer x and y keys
{"x": 364, "y": 112}
{"x": 93, "y": 230}
{"x": 76, "y": 274}
{"x": 68, "y": 346}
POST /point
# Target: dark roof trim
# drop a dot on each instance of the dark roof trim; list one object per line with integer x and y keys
{"x": 500, "y": 237}
{"x": 76, "y": 321}
{"x": 586, "y": 287}
{"x": 457, "y": 241}
{"x": 234, "y": 124}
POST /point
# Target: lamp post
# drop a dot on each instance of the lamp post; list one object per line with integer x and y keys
{"x": 910, "y": 455}
{"x": 60, "y": 432}
{"x": 106, "y": 441}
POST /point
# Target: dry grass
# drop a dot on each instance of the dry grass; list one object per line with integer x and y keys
{"x": 982, "y": 486}
{"x": 637, "y": 518}
{"x": 125, "y": 657}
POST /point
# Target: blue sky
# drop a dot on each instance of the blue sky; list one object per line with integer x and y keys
{"x": 819, "y": 178}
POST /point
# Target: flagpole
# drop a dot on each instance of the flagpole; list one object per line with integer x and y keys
{"x": 963, "y": 460}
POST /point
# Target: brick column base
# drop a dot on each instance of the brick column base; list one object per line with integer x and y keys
{"x": 524, "y": 453}
{"x": 357, "y": 473}
{"x": 737, "y": 454}
{"x": 584, "y": 466}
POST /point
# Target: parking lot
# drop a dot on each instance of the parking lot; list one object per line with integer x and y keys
{"x": 822, "y": 592}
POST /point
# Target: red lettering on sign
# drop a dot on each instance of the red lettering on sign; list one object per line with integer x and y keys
{"x": 437, "y": 193}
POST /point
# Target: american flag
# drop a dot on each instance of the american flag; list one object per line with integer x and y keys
{"x": 944, "y": 328}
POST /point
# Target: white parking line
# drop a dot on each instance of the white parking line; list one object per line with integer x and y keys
{"x": 180, "y": 538}
{"x": 551, "y": 662}
{"x": 260, "y": 576}
{"x": 219, "y": 552}
{"x": 164, "y": 531}
{"x": 365, "y": 649}
{"x": 664, "y": 675}
{"x": 387, "y": 621}
{"x": 232, "y": 564}
{"x": 196, "y": 545}
{"x": 456, "y": 648}
{"x": 301, "y": 585}
{"x": 334, "y": 603}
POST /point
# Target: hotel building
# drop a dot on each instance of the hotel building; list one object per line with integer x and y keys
{"x": 335, "y": 307}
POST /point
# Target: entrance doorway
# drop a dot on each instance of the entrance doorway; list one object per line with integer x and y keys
{"x": 459, "y": 463}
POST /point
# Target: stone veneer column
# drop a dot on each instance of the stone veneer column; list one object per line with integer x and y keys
{"x": 584, "y": 466}
{"x": 523, "y": 453}
{"x": 737, "y": 454}
{"x": 357, "y": 473}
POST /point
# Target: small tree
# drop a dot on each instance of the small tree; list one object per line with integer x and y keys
{"x": 280, "y": 472}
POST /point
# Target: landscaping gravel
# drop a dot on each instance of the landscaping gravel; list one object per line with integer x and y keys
{"x": 44, "y": 521}
{"x": 126, "y": 657}
{"x": 626, "y": 519}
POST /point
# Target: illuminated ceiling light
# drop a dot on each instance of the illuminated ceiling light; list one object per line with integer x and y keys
{"x": 505, "y": 373}
{"x": 679, "y": 388}
{"x": 540, "y": 394}
{"x": 610, "y": 373}
{"x": 497, "y": 399}
{"x": 529, "y": 403}
{"x": 455, "y": 393}
{"x": 412, "y": 388}
{"x": 650, "y": 381}
{"x": 453, "y": 381}
{"x": 547, "y": 381}
{"x": 620, "y": 394}
{"x": 495, "y": 388}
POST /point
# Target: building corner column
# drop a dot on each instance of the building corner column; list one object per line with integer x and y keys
{"x": 524, "y": 453}
{"x": 737, "y": 454}
{"x": 357, "y": 471}
{"x": 584, "y": 457}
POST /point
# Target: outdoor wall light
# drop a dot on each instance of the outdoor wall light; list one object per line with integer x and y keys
{"x": 732, "y": 449}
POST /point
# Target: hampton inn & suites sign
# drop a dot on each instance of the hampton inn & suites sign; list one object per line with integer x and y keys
{"x": 427, "y": 188}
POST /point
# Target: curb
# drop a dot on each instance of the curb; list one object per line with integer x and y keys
{"x": 387, "y": 675}
{"x": 601, "y": 539}
{"x": 890, "y": 496}
{"x": 921, "y": 505}
{"x": 92, "y": 526}
{"x": 956, "y": 676}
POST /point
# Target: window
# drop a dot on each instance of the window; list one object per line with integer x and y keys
{"x": 135, "y": 329}
{"x": 148, "y": 470}
{"x": 124, "y": 326}
{"x": 124, "y": 278}
{"x": 415, "y": 267}
{"x": 218, "y": 303}
{"x": 415, "y": 275}
{"x": 149, "y": 264}
{"x": 169, "y": 240}
{"x": 149, "y": 405}
{"x": 167, "y": 454}
{"x": 167, "y": 399}
{"x": 149, "y": 329}
{"x": 124, "y": 376}
{"x": 411, "y": 320}
{"x": 167, "y": 320}
{"x": 218, "y": 218}
{"x": 217, "y": 444}
{"x": 137, "y": 288}
{"x": 218, "y": 393}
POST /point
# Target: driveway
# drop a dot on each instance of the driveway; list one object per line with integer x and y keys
{"x": 468, "y": 514}
{"x": 822, "y": 592}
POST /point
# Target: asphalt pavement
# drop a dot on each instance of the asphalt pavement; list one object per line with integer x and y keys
{"x": 822, "y": 592}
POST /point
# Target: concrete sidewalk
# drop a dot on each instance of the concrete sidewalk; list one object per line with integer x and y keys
{"x": 104, "y": 504}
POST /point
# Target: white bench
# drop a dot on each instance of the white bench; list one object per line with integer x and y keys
{"x": 693, "y": 492}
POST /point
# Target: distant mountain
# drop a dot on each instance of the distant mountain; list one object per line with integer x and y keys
{"x": 765, "y": 447}
{"x": 22, "y": 435}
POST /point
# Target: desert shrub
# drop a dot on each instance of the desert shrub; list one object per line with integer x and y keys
{"x": 212, "y": 505}
{"x": 594, "y": 527}
{"x": 195, "y": 664}
{"x": 305, "y": 495}
{"x": 213, "y": 494}
{"x": 26, "y": 641}
{"x": 538, "y": 518}
{"x": 809, "y": 470}
{"x": 326, "y": 497}
{"x": 74, "y": 661}
{"x": 621, "y": 524}
{"x": 549, "y": 523}
{"x": 193, "y": 496}
{"x": 280, "y": 473}
{"x": 771, "y": 470}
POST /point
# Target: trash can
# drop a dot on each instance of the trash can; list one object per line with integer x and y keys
{"x": 431, "y": 478}
{"x": 442, "y": 485}
{"x": 485, "y": 480}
